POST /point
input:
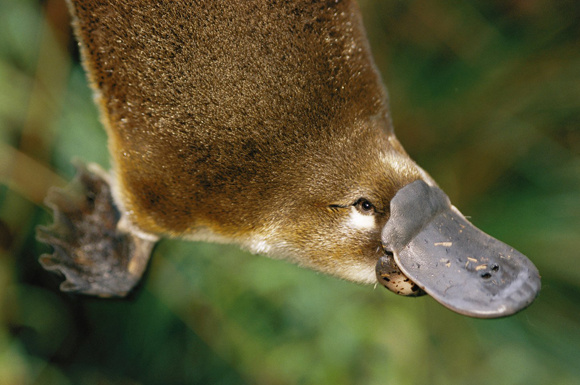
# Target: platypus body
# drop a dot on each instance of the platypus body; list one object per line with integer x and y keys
{"x": 264, "y": 124}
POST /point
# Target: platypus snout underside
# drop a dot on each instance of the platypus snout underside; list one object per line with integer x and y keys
{"x": 265, "y": 125}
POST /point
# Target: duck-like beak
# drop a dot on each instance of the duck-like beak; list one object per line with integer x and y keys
{"x": 460, "y": 266}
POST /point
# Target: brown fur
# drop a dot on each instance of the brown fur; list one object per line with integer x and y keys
{"x": 240, "y": 117}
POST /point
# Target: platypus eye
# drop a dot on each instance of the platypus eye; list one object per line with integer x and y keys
{"x": 364, "y": 206}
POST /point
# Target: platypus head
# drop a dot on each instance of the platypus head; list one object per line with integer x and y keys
{"x": 365, "y": 212}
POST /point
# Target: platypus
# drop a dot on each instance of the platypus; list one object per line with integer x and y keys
{"x": 263, "y": 124}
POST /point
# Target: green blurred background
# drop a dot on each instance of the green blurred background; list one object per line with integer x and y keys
{"x": 485, "y": 95}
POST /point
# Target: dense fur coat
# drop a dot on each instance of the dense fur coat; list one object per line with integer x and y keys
{"x": 179, "y": 108}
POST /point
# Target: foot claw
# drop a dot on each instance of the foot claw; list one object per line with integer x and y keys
{"x": 92, "y": 253}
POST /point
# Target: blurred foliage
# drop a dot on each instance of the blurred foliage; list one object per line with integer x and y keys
{"x": 485, "y": 96}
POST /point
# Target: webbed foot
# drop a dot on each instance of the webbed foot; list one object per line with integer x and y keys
{"x": 95, "y": 256}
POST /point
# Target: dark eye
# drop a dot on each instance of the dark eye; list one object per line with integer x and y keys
{"x": 364, "y": 206}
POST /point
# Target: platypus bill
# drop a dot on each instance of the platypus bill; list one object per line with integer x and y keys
{"x": 264, "y": 124}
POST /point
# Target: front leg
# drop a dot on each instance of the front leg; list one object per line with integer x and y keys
{"x": 95, "y": 254}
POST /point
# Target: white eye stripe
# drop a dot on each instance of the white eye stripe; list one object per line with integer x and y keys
{"x": 360, "y": 221}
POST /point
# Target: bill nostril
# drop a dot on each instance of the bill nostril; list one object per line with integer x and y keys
{"x": 487, "y": 274}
